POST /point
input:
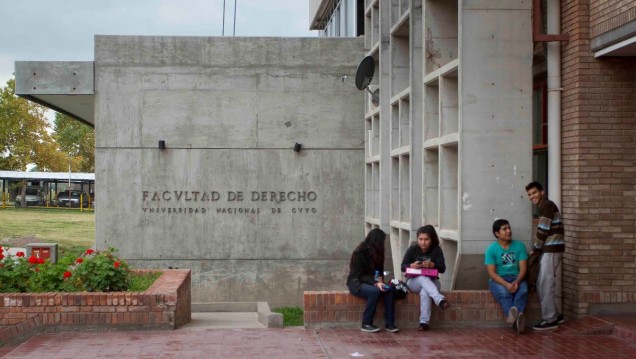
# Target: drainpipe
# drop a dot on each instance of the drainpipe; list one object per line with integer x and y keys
{"x": 554, "y": 102}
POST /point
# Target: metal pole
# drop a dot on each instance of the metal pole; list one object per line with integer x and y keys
{"x": 69, "y": 182}
{"x": 234, "y": 30}
{"x": 223, "y": 30}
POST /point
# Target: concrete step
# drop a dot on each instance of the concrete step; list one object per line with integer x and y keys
{"x": 241, "y": 312}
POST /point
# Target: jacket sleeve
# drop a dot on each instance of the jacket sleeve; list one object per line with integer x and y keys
{"x": 440, "y": 263}
{"x": 546, "y": 215}
{"x": 358, "y": 270}
{"x": 409, "y": 258}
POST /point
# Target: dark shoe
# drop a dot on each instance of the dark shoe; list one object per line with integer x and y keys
{"x": 443, "y": 304}
{"x": 520, "y": 323}
{"x": 423, "y": 327}
{"x": 369, "y": 328}
{"x": 392, "y": 328}
{"x": 560, "y": 319}
{"x": 512, "y": 315}
{"x": 546, "y": 325}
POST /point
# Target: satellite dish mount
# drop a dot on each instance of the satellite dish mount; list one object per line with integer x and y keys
{"x": 364, "y": 75}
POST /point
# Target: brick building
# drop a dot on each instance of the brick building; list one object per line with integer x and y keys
{"x": 579, "y": 139}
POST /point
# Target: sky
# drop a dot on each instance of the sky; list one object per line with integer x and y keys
{"x": 63, "y": 30}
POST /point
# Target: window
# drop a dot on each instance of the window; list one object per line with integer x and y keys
{"x": 540, "y": 133}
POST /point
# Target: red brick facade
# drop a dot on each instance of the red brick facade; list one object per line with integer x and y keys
{"x": 468, "y": 307}
{"x": 598, "y": 163}
{"x": 606, "y": 15}
{"x": 165, "y": 305}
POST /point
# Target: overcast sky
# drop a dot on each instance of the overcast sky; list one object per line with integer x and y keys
{"x": 63, "y": 30}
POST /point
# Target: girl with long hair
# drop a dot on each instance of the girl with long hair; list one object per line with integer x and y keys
{"x": 367, "y": 260}
{"x": 426, "y": 253}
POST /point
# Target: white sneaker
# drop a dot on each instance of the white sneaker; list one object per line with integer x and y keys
{"x": 512, "y": 315}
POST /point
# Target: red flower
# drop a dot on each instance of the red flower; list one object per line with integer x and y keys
{"x": 116, "y": 264}
{"x": 37, "y": 269}
{"x": 67, "y": 274}
{"x": 79, "y": 260}
{"x": 90, "y": 251}
{"x": 40, "y": 261}
{"x": 33, "y": 260}
{"x": 1, "y": 256}
{"x": 20, "y": 254}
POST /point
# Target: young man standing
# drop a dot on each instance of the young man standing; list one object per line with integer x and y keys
{"x": 549, "y": 243}
{"x": 507, "y": 264}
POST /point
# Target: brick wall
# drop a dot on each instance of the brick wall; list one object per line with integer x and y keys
{"x": 598, "y": 168}
{"x": 606, "y": 15}
{"x": 165, "y": 305}
{"x": 468, "y": 307}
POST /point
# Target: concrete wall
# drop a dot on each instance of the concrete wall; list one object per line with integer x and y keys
{"x": 230, "y": 111}
{"x": 496, "y": 128}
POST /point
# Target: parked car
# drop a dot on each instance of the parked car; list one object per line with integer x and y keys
{"x": 33, "y": 197}
{"x": 63, "y": 199}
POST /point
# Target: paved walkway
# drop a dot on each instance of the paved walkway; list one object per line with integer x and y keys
{"x": 583, "y": 338}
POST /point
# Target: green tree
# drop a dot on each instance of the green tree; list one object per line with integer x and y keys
{"x": 24, "y": 136}
{"x": 77, "y": 140}
{"x": 23, "y": 130}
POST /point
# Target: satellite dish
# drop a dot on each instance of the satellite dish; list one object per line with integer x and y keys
{"x": 364, "y": 75}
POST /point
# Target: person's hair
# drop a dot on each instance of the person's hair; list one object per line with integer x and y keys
{"x": 497, "y": 226}
{"x": 534, "y": 184}
{"x": 374, "y": 242}
{"x": 430, "y": 232}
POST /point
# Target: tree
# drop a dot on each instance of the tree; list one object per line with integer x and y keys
{"x": 24, "y": 136}
{"x": 77, "y": 140}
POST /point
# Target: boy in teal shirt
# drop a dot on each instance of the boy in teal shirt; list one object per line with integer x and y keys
{"x": 507, "y": 264}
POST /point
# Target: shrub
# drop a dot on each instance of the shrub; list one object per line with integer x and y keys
{"x": 92, "y": 271}
{"x": 100, "y": 271}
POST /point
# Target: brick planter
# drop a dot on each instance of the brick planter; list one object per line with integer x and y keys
{"x": 328, "y": 309}
{"x": 165, "y": 305}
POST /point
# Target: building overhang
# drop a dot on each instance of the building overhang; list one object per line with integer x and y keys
{"x": 319, "y": 12}
{"x": 67, "y": 87}
{"x": 618, "y": 42}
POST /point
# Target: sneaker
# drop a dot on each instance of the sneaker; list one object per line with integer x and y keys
{"x": 392, "y": 328}
{"x": 423, "y": 327}
{"x": 369, "y": 328}
{"x": 443, "y": 304}
{"x": 546, "y": 325}
{"x": 512, "y": 315}
{"x": 521, "y": 323}
{"x": 560, "y": 319}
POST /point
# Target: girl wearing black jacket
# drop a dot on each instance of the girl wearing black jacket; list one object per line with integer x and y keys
{"x": 366, "y": 260}
{"x": 426, "y": 253}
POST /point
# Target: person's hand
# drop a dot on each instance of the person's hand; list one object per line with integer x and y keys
{"x": 513, "y": 287}
{"x": 429, "y": 264}
{"x": 416, "y": 265}
{"x": 380, "y": 285}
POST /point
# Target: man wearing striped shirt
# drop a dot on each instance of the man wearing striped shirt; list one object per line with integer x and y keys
{"x": 549, "y": 243}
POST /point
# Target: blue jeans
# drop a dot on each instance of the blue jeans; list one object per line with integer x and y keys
{"x": 507, "y": 299}
{"x": 372, "y": 294}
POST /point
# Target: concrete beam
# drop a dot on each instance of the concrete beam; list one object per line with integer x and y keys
{"x": 66, "y": 87}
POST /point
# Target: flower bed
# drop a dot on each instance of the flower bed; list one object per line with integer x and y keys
{"x": 85, "y": 292}
{"x": 165, "y": 305}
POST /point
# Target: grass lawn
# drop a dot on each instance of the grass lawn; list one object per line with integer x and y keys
{"x": 72, "y": 230}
